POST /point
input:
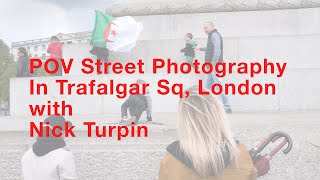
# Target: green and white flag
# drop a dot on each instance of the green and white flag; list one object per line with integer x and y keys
{"x": 117, "y": 34}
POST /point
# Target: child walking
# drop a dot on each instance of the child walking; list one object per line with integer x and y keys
{"x": 189, "y": 49}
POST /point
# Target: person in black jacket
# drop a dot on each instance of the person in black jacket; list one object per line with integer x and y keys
{"x": 189, "y": 49}
{"x": 101, "y": 53}
{"x": 23, "y": 63}
{"x": 136, "y": 105}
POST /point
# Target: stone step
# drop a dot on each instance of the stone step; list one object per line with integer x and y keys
{"x": 139, "y": 158}
{"x": 161, "y": 121}
{"x": 134, "y": 160}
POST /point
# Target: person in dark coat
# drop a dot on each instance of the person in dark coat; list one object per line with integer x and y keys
{"x": 136, "y": 105}
{"x": 101, "y": 53}
{"x": 23, "y": 63}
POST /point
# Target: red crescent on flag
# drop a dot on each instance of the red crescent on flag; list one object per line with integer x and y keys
{"x": 106, "y": 32}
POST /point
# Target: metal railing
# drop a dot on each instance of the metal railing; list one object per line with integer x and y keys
{"x": 76, "y": 35}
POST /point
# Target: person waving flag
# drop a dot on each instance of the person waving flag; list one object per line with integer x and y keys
{"x": 117, "y": 34}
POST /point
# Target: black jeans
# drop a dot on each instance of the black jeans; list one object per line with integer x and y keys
{"x": 59, "y": 72}
{"x": 23, "y": 67}
{"x": 136, "y": 104}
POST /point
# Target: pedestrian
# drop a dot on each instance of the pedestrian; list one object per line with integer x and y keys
{"x": 206, "y": 149}
{"x": 23, "y": 63}
{"x": 101, "y": 53}
{"x": 55, "y": 51}
{"x": 136, "y": 105}
{"x": 49, "y": 158}
{"x": 214, "y": 54}
{"x": 189, "y": 50}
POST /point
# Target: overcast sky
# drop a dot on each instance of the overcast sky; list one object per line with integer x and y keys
{"x": 33, "y": 19}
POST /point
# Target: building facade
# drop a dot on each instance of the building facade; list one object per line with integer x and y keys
{"x": 37, "y": 48}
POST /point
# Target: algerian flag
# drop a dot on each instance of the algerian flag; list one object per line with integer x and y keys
{"x": 117, "y": 34}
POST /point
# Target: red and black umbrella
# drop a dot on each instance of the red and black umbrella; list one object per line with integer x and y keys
{"x": 262, "y": 162}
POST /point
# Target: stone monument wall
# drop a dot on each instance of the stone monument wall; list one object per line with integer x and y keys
{"x": 290, "y": 36}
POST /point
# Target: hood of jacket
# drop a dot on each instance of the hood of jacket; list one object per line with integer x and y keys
{"x": 44, "y": 145}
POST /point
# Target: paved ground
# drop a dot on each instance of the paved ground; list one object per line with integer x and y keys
{"x": 136, "y": 158}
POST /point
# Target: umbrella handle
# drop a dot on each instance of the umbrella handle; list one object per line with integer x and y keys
{"x": 263, "y": 141}
{"x": 278, "y": 148}
{"x": 272, "y": 138}
{"x": 253, "y": 150}
{"x": 280, "y": 134}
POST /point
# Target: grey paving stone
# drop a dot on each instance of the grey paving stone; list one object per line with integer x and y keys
{"x": 139, "y": 158}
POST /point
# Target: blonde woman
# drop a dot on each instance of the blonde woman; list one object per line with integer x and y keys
{"x": 206, "y": 148}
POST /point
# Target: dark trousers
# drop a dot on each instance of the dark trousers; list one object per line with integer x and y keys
{"x": 59, "y": 72}
{"x": 23, "y": 68}
{"x": 136, "y": 105}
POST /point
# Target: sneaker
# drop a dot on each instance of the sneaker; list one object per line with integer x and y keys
{"x": 130, "y": 120}
{"x": 228, "y": 111}
{"x": 149, "y": 118}
{"x": 124, "y": 119}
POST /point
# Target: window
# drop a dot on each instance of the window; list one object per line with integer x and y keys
{"x": 84, "y": 41}
{"x": 69, "y": 42}
{"x": 35, "y": 55}
{"x": 28, "y": 49}
{"x": 43, "y": 55}
{"x": 43, "y": 47}
{"x": 36, "y": 48}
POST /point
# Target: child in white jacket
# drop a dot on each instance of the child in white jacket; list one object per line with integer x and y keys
{"x": 49, "y": 159}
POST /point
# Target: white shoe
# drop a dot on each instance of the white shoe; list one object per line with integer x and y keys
{"x": 124, "y": 119}
{"x": 130, "y": 120}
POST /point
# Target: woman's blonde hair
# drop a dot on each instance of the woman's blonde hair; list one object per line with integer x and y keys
{"x": 204, "y": 133}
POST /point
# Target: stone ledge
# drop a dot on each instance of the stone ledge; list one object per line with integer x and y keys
{"x": 157, "y": 7}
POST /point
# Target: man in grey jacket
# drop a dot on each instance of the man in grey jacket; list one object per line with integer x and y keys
{"x": 214, "y": 54}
